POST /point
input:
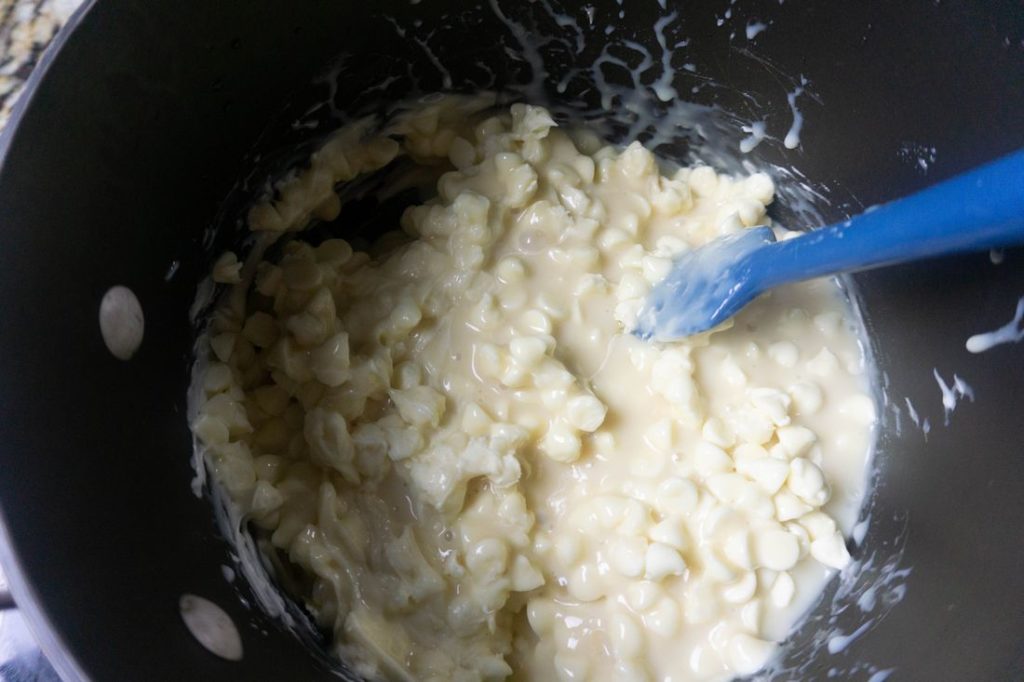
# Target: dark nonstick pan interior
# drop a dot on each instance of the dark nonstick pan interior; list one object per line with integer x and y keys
{"x": 157, "y": 120}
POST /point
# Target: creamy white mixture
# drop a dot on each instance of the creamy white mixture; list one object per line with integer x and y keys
{"x": 482, "y": 473}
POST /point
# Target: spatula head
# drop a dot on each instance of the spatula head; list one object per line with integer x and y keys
{"x": 705, "y": 287}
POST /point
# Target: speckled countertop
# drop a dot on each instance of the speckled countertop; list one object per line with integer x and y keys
{"x": 26, "y": 28}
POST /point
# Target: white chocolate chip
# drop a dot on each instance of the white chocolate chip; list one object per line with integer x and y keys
{"x": 662, "y": 560}
{"x": 586, "y": 413}
{"x": 785, "y": 353}
{"x": 776, "y": 549}
{"x": 807, "y": 482}
{"x": 796, "y": 440}
{"x": 742, "y": 590}
{"x": 783, "y": 590}
{"x": 748, "y": 654}
{"x": 831, "y": 551}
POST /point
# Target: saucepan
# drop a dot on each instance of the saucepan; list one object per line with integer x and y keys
{"x": 150, "y": 126}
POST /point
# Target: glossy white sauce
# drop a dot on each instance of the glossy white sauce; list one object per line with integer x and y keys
{"x": 510, "y": 443}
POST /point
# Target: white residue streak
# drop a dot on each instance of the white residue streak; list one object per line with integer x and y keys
{"x": 565, "y": 21}
{"x": 919, "y": 155}
{"x": 860, "y": 531}
{"x": 398, "y": 28}
{"x": 951, "y": 395}
{"x": 662, "y": 87}
{"x": 1011, "y": 332}
{"x": 866, "y": 602}
{"x": 446, "y": 77}
{"x": 881, "y": 675}
{"x": 913, "y": 413}
{"x": 792, "y": 140}
{"x": 530, "y": 52}
{"x": 754, "y": 28}
{"x": 757, "y": 132}
{"x": 837, "y": 643}
{"x": 920, "y": 423}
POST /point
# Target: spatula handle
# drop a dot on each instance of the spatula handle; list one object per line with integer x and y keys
{"x": 980, "y": 209}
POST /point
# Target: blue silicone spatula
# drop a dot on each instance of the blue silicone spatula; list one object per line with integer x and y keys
{"x": 980, "y": 209}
